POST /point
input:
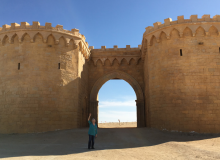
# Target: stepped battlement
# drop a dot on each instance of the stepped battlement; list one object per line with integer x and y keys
{"x": 36, "y": 26}
{"x": 182, "y": 28}
{"x": 51, "y": 77}
{"x": 9, "y": 32}
{"x": 115, "y": 47}
{"x": 181, "y": 20}
{"x": 116, "y": 54}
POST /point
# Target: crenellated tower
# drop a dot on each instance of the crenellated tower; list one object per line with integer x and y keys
{"x": 50, "y": 77}
{"x": 43, "y": 68}
{"x": 182, "y": 74}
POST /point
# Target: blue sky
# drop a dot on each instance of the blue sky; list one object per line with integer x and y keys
{"x": 106, "y": 23}
{"x": 117, "y": 101}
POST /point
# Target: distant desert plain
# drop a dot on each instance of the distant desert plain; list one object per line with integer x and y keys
{"x": 118, "y": 125}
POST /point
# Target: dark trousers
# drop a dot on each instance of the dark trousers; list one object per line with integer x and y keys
{"x": 91, "y": 140}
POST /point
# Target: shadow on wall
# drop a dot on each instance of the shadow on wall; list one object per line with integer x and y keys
{"x": 75, "y": 141}
{"x": 42, "y": 95}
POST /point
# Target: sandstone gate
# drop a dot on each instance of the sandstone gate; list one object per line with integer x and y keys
{"x": 117, "y": 64}
{"x": 50, "y": 77}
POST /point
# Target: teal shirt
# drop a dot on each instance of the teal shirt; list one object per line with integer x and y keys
{"x": 92, "y": 129}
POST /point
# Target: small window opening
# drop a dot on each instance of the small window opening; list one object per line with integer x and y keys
{"x": 19, "y": 66}
{"x": 181, "y": 52}
{"x": 58, "y": 65}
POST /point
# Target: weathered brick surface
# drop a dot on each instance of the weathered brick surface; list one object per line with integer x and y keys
{"x": 83, "y": 93}
{"x": 123, "y": 63}
{"x": 123, "y": 60}
{"x": 184, "y": 91}
{"x": 39, "y": 97}
{"x": 175, "y": 74}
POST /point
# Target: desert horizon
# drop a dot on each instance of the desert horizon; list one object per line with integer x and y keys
{"x": 117, "y": 125}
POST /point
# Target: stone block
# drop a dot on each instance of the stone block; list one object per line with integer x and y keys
{"x": 103, "y": 47}
{"x": 24, "y": 25}
{"x": 35, "y": 25}
{"x": 56, "y": 84}
{"x": 206, "y": 17}
{"x": 167, "y": 21}
{"x": 5, "y": 27}
{"x": 48, "y": 25}
{"x": 59, "y": 27}
{"x": 156, "y": 25}
{"x": 194, "y": 18}
{"x": 75, "y": 31}
{"x": 180, "y": 19}
{"x": 14, "y": 25}
{"x": 91, "y": 47}
{"x": 217, "y": 17}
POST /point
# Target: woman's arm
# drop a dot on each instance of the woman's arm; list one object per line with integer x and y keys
{"x": 89, "y": 116}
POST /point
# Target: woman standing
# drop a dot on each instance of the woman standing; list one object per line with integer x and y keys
{"x": 92, "y": 132}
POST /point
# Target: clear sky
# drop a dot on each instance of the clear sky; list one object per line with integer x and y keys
{"x": 106, "y": 23}
{"x": 117, "y": 101}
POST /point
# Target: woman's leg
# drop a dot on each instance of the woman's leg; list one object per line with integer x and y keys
{"x": 93, "y": 141}
{"x": 90, "y": 140}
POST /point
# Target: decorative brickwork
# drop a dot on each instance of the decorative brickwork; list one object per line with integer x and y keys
{"x": 50, "y": 77}
{"x": 45, "y": 92}
{"x": 182, "y": 74}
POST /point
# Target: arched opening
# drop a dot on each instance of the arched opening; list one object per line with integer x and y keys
{"x": 117, "y": 106}
{"x": 93, "y": 107}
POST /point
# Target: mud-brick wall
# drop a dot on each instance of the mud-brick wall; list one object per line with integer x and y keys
{"x": 39, "y": 96}
{"x": 184, "y": 91}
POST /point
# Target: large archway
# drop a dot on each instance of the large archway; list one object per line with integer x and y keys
{"x": 117, "y": 101}
{"x": 134, "y": 84}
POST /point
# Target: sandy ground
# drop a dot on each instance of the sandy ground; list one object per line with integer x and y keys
{"x": 111, "y": 144}
{"x": 117, "y": 125}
